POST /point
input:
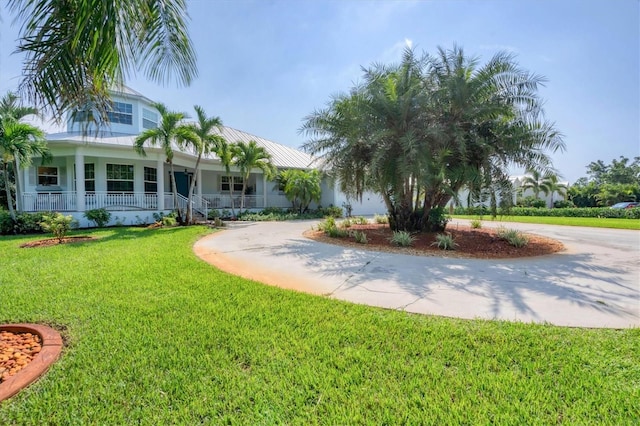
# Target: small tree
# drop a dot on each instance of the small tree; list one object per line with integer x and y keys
{"x": 301, "y": 187}
{"x": 58, "y": 224}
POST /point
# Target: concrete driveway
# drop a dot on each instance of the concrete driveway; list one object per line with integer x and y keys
{"x": 594, "y": 283}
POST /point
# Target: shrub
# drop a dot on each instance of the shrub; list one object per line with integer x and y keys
{"x": 332, "y": 211}
{"x": 25, "y": 223}
{"x": 58, "y": 224}
{"x": 346, "y": 223}
{"x": 512, "y": 236}
{"x": 531, "y": 201}
{"x": 476, "y": 223}
{"x": 445, "y": 242}
{"x": 437, "y": 219}
{"x": 360, "y": 220}
{"x": 563, "y": 204}
{"x": 336, "y": 232}
{"x": 360, "y": 237}
{"x": 6, "y": 223}
{"x": 327, "y": 223}
{"x": 99, "y": 216}
{"x": 169, "y": 220}
{"x": 381, "y": 219}
{"x": 402, "y": 238}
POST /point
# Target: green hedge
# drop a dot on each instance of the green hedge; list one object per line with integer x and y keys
{"x": 604, "y": 212}
{"x": 25, "y": 223}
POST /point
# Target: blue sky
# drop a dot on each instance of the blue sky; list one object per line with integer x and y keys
{"x": 264, "y": 65}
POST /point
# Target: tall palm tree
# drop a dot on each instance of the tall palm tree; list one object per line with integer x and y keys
{"x": 226, "y": 153}
{"x": 429, "y": 126}
{"x": 76, "y": 50}
{"x": 205, "y": 142}
{"x": 546, "y": 183}
{"x": 19, "y": 142}
{"x": 249, "y": 156}
{"x": 12, "y": 110}
{"x": 170, "y": 130}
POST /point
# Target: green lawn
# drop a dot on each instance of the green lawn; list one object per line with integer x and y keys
{"x": 593, "y": 222}
{"x": 156, "y": 336}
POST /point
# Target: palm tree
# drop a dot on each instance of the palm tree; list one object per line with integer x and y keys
{"x": 301, "y": 187}
{"x": 537, "y": 182}
{"x": 226, "y": 153}
{"x": 169, "y": 131}
{"x": 12, "y": 110}
{"x": 204, "y": 143}
{"x": 77, "y": 50}
{"x": 249, "y": 156}
{"x": 19, "y": 142}
{"x": 418, "y": 132}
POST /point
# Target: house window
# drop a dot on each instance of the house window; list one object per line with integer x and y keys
{"x": 47, "y": 176}
{"x": 237, "y": 183}
{"x": 121, "y": 113}
{"x": 89, "y": 177}
{"x": 149, "y": 119}
{"x": 119, "y": 178}
{"x": 150, "y": 179}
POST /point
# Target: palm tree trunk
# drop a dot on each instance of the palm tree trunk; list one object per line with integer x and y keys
{"x": 244, "y": 188}
{"x": 233, "y": 210}
{"x": 191, "y": 187}
{"x": 176, "y": 206}
{"x": 16, "y": 173}
{"x": 8, "y": 190}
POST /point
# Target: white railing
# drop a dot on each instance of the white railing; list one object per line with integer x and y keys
{"x": 120, "y": 201}
{"x": 49, "y": 201}
{"x": 223, "y": 201}
{"x": 114, "y": 201}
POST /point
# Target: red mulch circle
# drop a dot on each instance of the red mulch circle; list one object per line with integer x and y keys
{"x": 480, "y": 243}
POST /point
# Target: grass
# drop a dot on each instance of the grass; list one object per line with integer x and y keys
{"x": 593, "y": 222}
{"x": 156, "y": 336}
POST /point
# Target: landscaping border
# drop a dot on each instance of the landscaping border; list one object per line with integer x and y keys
{"x": 51, "y": 349}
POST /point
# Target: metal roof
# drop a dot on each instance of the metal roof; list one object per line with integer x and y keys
{"x": 281, "y": 156}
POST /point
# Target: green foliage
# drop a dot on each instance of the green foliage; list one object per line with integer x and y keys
{"x": 360, "y": 237}
{"x": 607, "y": 184}
{"x": 333, "y": 211}
{"x": 58, "y": 224}
{"x": 438, "y": 219}
{"x": 445, "y": 242}
{"x": 476, "y": 223}
{"x": 603, "y": 212}
{"x": 301, "y": 187}
{"x": 381, "y": 219}
{"x": 99, "y": 216}
{"x": 531, "y": 201}
{"x": 418, "y": 131}
{"x": 360, "y": 220}
{"x": 563, "y": 204}
{"x": 25, "y": 223}
{"x": 402, "y": 238}
{"x": 346, "y": 223}
{"x": 512, "y": 236}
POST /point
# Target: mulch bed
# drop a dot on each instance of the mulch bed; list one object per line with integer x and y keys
{"x": 480, "y": 243}
{"x": 54, "y": 241}
{"x": 16, "y": 351}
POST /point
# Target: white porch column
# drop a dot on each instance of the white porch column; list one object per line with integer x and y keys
{"x": 264, "y": 191}
{"x": 80, "y": 206}
{"x": 160, "y": 183}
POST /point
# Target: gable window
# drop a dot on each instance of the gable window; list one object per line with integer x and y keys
{"x": 237, "y": 183}
{"x": 150, "y": 179}
{"x": 47, "y": 176}
{"x": 89, "y": 177}
{"x": 119, "y": 177}
{"x": 149, "y": 119}
{"x": 121, "y": 113}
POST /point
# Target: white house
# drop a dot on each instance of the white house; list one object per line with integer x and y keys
{"x": 101, "y": 170}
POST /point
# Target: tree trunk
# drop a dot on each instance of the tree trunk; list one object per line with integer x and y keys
{"x": 233, "y": 210}
{"x": 192, "y": 185}
{"x": 244, "y": 188}
{"x": 8, "y": 190}
{"x": 176, "y": 206}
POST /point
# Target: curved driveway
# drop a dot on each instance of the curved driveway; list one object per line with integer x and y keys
{"x": 595, "y": 282}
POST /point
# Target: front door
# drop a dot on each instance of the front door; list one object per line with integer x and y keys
{"x": 182, "y": 183}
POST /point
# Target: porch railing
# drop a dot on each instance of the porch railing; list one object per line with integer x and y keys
{"x": 49, "y": 201}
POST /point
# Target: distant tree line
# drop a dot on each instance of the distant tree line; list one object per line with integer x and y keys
{"x": 607, "y": 184}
